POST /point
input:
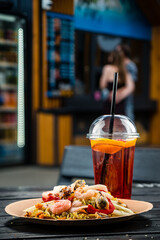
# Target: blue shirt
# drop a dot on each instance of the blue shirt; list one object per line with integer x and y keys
{"x": 129, "y": 103}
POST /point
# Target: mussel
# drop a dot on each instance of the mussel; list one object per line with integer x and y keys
{"x": 101, "y": 202}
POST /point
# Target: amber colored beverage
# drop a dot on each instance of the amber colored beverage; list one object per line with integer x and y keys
{"x": 113, "y": 165}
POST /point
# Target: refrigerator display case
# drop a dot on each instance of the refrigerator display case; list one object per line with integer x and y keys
{"x": 12, "y": 97}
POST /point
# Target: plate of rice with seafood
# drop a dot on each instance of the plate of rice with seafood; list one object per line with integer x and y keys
{"x": 77, "y": 203}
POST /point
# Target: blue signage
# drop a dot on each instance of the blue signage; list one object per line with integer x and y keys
{"x": 115, "y": 17}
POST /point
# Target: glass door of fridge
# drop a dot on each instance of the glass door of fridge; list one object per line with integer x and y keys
{"x": 12, "y": 105}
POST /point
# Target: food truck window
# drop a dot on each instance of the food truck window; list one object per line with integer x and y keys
{"x": 91, "y": 53}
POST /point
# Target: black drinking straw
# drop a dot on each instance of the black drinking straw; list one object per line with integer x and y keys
{"x": 112, "y": 112}
{"x": 113, "y": 103}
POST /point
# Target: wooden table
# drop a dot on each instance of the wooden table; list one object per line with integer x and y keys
{"x": 145, "y": 226}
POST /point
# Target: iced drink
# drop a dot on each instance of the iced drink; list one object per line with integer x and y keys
{"x": 113, "y": 155}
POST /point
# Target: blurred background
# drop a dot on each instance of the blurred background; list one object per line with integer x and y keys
{"x": 51, "y": 59}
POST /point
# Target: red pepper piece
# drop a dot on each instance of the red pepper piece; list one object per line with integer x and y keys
{"x": 93, "y": 210}
{"x": 70, "y": 198}
{"x": 50, "y": 198}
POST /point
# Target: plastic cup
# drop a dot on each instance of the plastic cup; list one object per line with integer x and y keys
{"x": 113, "y": 154}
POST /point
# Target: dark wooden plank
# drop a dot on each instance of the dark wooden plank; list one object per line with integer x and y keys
{"x": 149, "y": 198}
{"x": 40, "y": 231}
{"x": 20, "y": 195}
{"x": 24, "y": 188}
{"x": 146, "y": 164}
{"x": 146, "y": 191}
{"x": 127, "y": 237}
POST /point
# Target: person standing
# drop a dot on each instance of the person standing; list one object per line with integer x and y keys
{"x": 131, "y": 67}
{"x": 125, "y": 84}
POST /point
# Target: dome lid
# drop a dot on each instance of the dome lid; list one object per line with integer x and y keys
{"x": 123, "y": 128}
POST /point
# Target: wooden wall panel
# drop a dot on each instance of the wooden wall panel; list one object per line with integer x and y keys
{"x": 155, "y": 85}
{"x": 64, "y": 134}
{"x": 155, "y": 63}
{"x": 35, "y": 87}
{"x": 54, "y": 132}
{"x": 63, "y": 6}
{"x": 45, "y": 139}
{"x": 81, "y": 140}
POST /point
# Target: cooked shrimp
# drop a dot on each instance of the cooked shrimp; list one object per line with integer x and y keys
{"x": 80, "y": 194}
{"x": 77, "y": 209}
{"x": 60, "y": 206}
{"x": 85, "y": 195}
{"x": 76, "y": 203}
{"x": 96, "y": 187}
